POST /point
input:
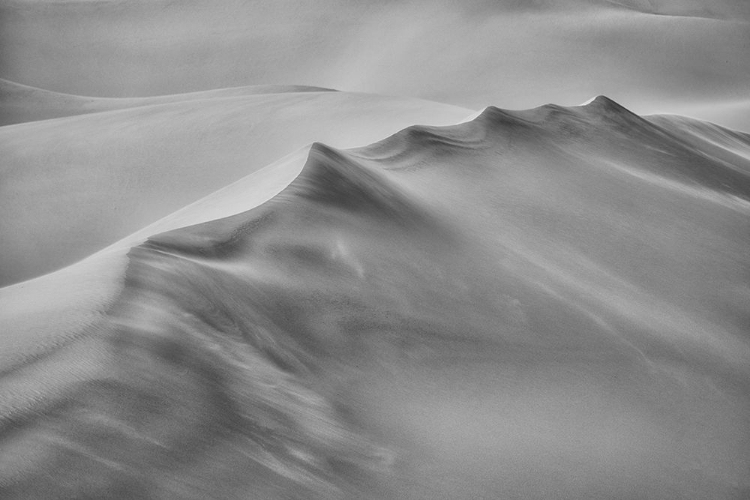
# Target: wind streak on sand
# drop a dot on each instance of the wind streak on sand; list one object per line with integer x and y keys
{"x": 531, "y": 304}
{"x": 74, "y": 185}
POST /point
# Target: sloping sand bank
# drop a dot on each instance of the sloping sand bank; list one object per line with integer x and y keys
{"x": 548, "y": 303}
{"x": 71, "y": 186}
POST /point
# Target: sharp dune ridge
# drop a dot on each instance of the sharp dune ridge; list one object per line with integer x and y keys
{"x": 530, "y": 304}
{"x": 108, "y": 174}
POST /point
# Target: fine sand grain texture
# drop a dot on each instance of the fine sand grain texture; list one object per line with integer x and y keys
{"x": 550, "y": 303}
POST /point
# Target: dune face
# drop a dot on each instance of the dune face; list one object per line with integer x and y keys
{"x": 222, "y": 279}
{"x": 550, "y": 303}
{"x": 71, "y": 186}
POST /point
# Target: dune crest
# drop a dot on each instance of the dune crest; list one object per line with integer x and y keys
{"x": 109, "y": 174}
{"x": 530, "y": 303}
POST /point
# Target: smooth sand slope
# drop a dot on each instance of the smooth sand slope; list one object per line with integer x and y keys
{"x": 539, "y": 304}
{"x": 71, "y": 186}
{"x": 22, "y": 103}
{"x": 656, "y": 55}
{"x": 733, "y": 113}
{"x": 728, "y": 10}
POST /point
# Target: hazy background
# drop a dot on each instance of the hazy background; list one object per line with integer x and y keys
{"x": 689, "y": 57}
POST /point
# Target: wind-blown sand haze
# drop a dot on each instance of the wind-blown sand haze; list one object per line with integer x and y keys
{"x": 450, "y": 313}
{"x": 72, "y": 185}
{"x": 658, "y": 56}
{"x": 337, "y": 250}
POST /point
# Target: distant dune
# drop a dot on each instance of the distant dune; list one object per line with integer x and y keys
{"x": 283, "y": 250}
{"x": 21, "y": 103}
{"x": 729, "y": 10}
{"x": 733, "y": 114}
{"x": 728, "y": 145}
{"x": 71, "y": 186}
{"x": 656, "y": 55}
{"x": 550, "y": 303}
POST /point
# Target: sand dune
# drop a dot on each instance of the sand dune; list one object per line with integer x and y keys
{"x": 217, "y": 285}
{"x": 733, "y": 113}
{"x": 21, "y": 103}
{"x": 713, "y": 139}
{"x": 71, "y": 186}
{"x": 730, "y": 10}
{"x": 548, "y": 303}
{"x": 655, "y": 55}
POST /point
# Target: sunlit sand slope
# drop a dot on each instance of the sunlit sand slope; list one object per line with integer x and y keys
{"x": 541, "y": 304}
{"x": 71, "y": 186}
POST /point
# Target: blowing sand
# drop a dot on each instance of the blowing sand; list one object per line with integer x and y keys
{"x": 71, "y": 186}
{"x": 549, "y": 303}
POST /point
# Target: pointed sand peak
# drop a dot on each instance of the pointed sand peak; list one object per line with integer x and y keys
{"x": 604, "y": 103}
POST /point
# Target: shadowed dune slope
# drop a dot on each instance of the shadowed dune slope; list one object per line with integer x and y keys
{"x": 730, "y": 145}
{"x": 549, "y": 303}
{"x": 733, "y": 114}
{"x": 21, "y": 103}
{"x": 728, "y": 10}
{"x": 71, "y": 186}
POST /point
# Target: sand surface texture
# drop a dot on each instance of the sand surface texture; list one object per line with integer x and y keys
{"x": 550, "y": 303}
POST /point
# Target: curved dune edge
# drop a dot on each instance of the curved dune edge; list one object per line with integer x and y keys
{"x": 109, "y": 48}
{"x": 102, "y": 267}
{"x": 72, "y": 186}
{"x": 46, "y": 313}
{"x": 99, "y": 277}
{"x": 322, "y": 342}
{"x": 712, "y": 138}
{"x": 22, "y": 103}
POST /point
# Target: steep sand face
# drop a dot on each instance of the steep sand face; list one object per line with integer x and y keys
{"x": 539, "y": 304}
{"x": 71, "y": 186}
